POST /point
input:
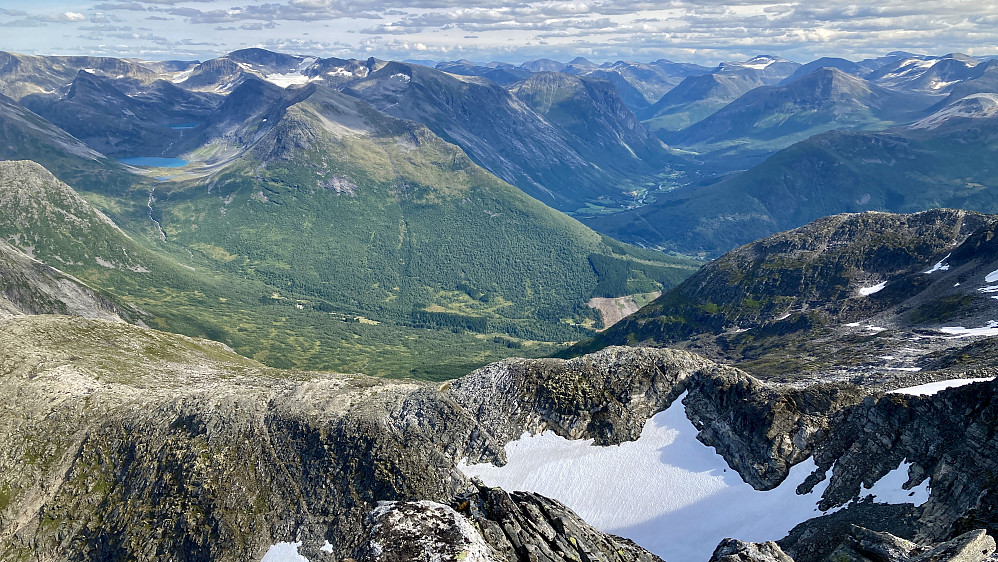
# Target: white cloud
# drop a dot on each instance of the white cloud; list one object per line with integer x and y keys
{"x": 688, "y": 30}
{"x": 63, "y": 17}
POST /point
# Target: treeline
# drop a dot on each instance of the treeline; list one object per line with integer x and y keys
{"x": 425, "y": 319}
{"x": 617, "y": 277}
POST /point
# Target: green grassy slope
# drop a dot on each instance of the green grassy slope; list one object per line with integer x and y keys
{"x": 345, "y": 240}
{"x": 344, "y": 207}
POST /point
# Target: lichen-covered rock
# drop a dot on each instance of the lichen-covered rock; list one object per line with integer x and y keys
{"x": 880, "y": 546}
{"x": 423, "y": 530}
{"x": 734, "y": 550}
{"x": 949, "y": 437}
{"x": 118, "y": 442}
{"x": 525, "y": 526}
{"x": 606, "y": 396}
{"x": 761, "y": 429}
{"x": 815, "y": 539}
{"x": 123, "y": 442}
{"x": 973, "y": 546}
{"x": 492, "y": 526}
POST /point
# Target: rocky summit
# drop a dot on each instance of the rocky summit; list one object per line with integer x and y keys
{"x": 121, "y": 442}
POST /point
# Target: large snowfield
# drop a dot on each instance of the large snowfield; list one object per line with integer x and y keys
{"x": 666, "y": 491}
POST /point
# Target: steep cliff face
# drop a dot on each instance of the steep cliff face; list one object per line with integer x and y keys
{"x": 948, "y": 438}
{"x": 28, "y": 286}
{"x": 606, "y": 396}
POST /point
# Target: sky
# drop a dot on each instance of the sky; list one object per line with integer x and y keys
{"x": 479, "y": 30}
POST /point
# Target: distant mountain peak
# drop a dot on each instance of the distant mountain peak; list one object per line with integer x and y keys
{"x": 981, "y": 105}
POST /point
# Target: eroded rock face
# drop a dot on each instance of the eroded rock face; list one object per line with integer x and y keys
{"x": 122, "y": 442}
{"x": 973, "y": 546}
{"x": 948, "y": 437}
{"x": 606, "y": 395}
{"x": 177, "y": 448}
{"x": 877, "y": 546}
{"x": 763, "y": 429}
{"x": 865, "y": 545}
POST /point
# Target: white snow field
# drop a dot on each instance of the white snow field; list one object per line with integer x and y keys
{"x": 284, "y": 552}
{"x": 989, "y": 329}
{"x": 666, "y": 491}
{"x": 934, "y": 387}
{"x": 888, "y": 489}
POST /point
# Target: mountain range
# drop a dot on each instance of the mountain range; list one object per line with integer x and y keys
{"x": 941, "y": 160}
{"x": 194, "y": 255}
{"x": 313, "y": 204}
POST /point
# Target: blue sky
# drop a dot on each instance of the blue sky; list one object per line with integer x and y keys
{"x": 682, "y": 30}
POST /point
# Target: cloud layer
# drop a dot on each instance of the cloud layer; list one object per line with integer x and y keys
{"x": 684, "y": 30}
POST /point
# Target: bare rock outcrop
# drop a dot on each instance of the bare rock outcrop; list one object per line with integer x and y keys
{"x": 734, "y": 550}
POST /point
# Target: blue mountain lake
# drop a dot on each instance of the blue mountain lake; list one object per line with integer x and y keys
{"x": 154, "y": 162}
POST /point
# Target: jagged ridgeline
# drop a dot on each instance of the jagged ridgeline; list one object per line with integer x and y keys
{"x": 312, "y": 230}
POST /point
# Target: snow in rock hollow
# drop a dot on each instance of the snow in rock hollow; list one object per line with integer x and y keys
{"x": 934, "y": 387}
{"x": 939, "y": 266}
{"x": 666, "y": 491}
{"x": 889, "y": 488}
{"x": 284, "y": 552}
{"x": 289, "y": 79}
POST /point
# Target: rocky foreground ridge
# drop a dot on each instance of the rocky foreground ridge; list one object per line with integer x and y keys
{"x": 120, "y": 442}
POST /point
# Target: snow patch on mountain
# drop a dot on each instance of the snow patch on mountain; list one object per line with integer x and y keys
{"x": 666, "y": 491}
{"x": 757, "y": 63}
{"x": 289, "y": 79}
{"x": 284, "y": 552}
{"x": 975, "y": 106}
{"x": 989, "y": 329}
{"x": 889, "y": 489}
{"x": 867, "y": 291}
{"x": 940, "y": 265}
{"x": 931, "y": 388}
{"x": 181, "y": 76}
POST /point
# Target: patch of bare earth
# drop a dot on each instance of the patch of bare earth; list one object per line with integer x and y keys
{"x": 615, "y": 309}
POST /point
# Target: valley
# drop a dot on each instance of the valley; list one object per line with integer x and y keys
{"x": 281, "y": 307}
{"x": 307, "y": 249}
